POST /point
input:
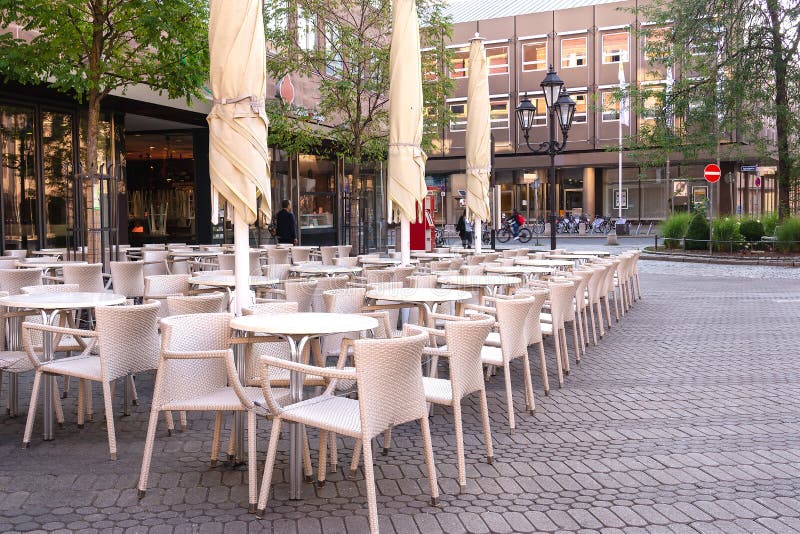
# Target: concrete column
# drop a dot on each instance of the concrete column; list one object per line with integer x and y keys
{"x": 588, "y": 192}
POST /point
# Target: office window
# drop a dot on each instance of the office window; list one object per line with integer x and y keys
{"x": 656, "y": 47}
{"x": 276, "y": 26}
{"x": 615, "y": 47}
{"x": 653, "y": 104}
{"x": 458, "y": 119}
{"x": 306, "y": 36}
{"x": 497, "y": 59}
{"x": 534, "y": 56}
{"x": 459, "y": 68}
{"x": 498, "y": 114}
{"x": 610, "y": 106}
{"x": 580, "y": 108}
{"x": 334, "y": 65}
{"x": 573, "y": 52}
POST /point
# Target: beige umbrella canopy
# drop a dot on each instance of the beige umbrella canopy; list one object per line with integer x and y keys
{"x": 478, "y": 132}
{"x": 406, "y": 173}
{"x": 238, "y": 159}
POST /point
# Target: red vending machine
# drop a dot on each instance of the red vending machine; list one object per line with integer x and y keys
{"x": 423, "y": 233}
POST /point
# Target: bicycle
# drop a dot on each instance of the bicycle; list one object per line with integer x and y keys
{"x": 537, "y": 227}
{"x": 505, "y": 233}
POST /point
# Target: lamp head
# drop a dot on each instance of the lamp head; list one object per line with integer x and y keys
{"x": 565, "y": 110}
{"x": 526, "y": 112}
{"x": 551, "y": 85}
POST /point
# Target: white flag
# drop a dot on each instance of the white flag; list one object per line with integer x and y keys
{"x": 624, "y": 112}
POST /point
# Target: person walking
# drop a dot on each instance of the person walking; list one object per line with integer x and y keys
{"x": 285, "y": 224}
{"x": 464, "y": 229}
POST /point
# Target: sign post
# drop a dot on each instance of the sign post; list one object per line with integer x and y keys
{"x": 712, "y": 174}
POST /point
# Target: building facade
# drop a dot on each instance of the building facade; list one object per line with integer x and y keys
{"x": 587, "y": 42}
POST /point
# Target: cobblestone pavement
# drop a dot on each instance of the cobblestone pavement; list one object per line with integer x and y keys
{"x": 685, "y": 418}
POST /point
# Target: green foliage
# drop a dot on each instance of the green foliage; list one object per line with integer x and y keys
{"x": 726, "y": 235}
{"x": 291, "y": 130}
{"x": 674, "y": 229}
{"x": 770, "y": 222}
{"x": 697, "y": 231}
{"x": 751, "y": 229}
{"x": 788, "y": 234}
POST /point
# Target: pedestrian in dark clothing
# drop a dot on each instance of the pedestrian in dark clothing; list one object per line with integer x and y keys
{"x": 285, "y": 225}
{"x": 464, "y": 229}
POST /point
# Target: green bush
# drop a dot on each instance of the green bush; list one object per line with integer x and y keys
{"x": 674, "y": 229}
{"x": 726, "y": 234}
{"x": 787, "y": 232}
{"x": 697, "y": 231}
{"x": 751, "y": 229}
{"x": 770, "y": 221}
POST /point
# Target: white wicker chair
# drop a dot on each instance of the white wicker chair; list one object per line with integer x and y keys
{"x": 127, "y": 341}
{"x": 299, "y": 291}
{"x": 88, "y": 276}
{"x": 12, "y": 280}
{"x": 188, "y": 304}
{"x": 281, "y": 255}
{"x": 324, "y": 284}
{"x": 390, "y": 392}
{"x": 346, "y": 261}
{"x": 155, "y": 261}
{"x": 17, "y": 254}
{"x": 344, "y": 250}
{"x": 328, "y": 253}
{"x": 594, "y": 291}
{"x": 345, "y": 300}
{"x": 127, "y": 278}
{"x": 196, "y": 372}
{"x": 159, "y": 287}
{"x": 553, "y": 324}
{"x": 276, "y": 270}
{"x": 464, "y": 343}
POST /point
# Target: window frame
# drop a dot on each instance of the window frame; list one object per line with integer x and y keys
{"x": 305, "y": 26}
{"x": 463, "y": 70}
{"x": 502, "y": 124}
{"x": 603, "y": 111}
{"x": 625, "y": 56}
{"x": 454, "y": 115}
{"x": 506, "y": 65}
{"x": 578, "y": 114}
{"x": 585, "y": 56}
{"x": 524, "y": 63}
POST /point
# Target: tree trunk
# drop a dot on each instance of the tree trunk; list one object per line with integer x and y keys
{"x": 784, "y": 172}
{"x": 92, "y": 203}
{"x": 355, "y": 203}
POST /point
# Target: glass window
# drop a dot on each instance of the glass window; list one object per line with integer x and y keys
{"x": 275, "y": 22}
{"x": 653, "y": 104}
{"x": 610, "y": 106}
{"x": 306, "y": 36}
{"x": 580, "y": 108}
{"x": 316, "y": 211}
{"x": 458, "y": 120}
{"x": 18, "y": 177}
{"x": 499, "y": 114}
{"x": 656, "y": 46}
{"x": 430, "y": 66}
{"x": 497, "y": 59}
{"x": 459, "y": 68}
{"x": 334, "y": 64}
{"x": 615, "y": 47}
{"x": 57, "y": 158}
{"x": 573, "y": 52}
{"x": 534, "y": 56}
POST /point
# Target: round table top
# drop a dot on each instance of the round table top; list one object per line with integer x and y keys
{"x": 419, "y": 294}
{"x": 518, "y": 269}
{"x": 472, "y": 250}
{"x": 46, "y": 263}
{"x": 304, "y": 324}
{"x": 546, "y": 263}
{"x": 228, "y": 280}
{"x": 573, "y": 256}
{"x": 46, "y": 252}
{"x": 316, "y": 268}
{"x": 194, "y": 254}
{"x": 592, "y": 252}
{"x": 470, "y": 280}
{"x": 58, "y": 301}
{"x": 373, "y": 260}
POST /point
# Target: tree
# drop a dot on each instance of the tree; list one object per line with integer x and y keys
{"x": 738, "y": 78}
{"x": 344, "y": 46}
{"x": 89, "y": 48}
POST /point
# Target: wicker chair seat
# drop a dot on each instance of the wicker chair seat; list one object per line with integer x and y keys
{"x": 221, "y": 400}
{"x": 15, "y": 361}
{"x": 335, "y": 414}
{"x": 438, "y": 390}
{"x": 81, "y": 366}
{"x": 492, "y": 356}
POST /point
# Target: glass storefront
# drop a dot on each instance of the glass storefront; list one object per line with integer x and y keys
{"x": 316, "y": 206}
{"x": 18, "y": 184}
{"x": 57, "y": 155}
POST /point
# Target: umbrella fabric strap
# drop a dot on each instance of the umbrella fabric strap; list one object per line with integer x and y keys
{"x": 256, "y": 104}
{"x": 412, "y": 145}
{"x": 479, "y": 169}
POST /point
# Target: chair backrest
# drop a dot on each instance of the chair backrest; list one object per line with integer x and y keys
{"x": 155, "y": 261}
{"x": 422, "y": 280}
{"x": 88, "y": 276}
{"x": 512, "y": 316}
{"x": 491, "y": 256}
{"x": 510, "y": 253}
{"x": 188, "y": 377}
{"x": 203, "y": 303}
{"x": 582, "y": 279}
{"x": 226, "y": 262}
{"x": 476, "y": 259}
{"x": 346, "y": 300}
{"x": 127, "y": 278}
{"x": 472, "y": 270}
{"x": 276, "y": 270}
{"x": 347, "y": 261}
{"x": 18, "y": 253}
{"x": 299, "y": 255}
{"x": 562, "y": 294}
{"x": 301, "y": 292}
{"x": 281, "y": 255}
{"x": 278, "y": 349}
{"x": 328, "y": 253}
{"x": 403, "y": 272}
{"x": 443, "y": 265}
{"x": 50, "y": 288}
{"x": 166, "y": 284}
{"x": 8, "y": 263}
{"x": 13, "y": 280}
{"x": 326, "y": 284}
{"x": 507, "y": 261}
{"x": 270, "y": 307}
{"x": 254, "y": 258}
{"x": 522, "y": 252}
{"x": 344, "y": 250}
{"x": 128, "y": 339}
{"x": 376, "y": 276}
{"x": 608, "y": 280}
{"x": 595, "y": 285}
{"x": 464, "y": 344}
{"x": 389, "y": 381}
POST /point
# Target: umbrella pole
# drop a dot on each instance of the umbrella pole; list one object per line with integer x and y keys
{"x": 241, "y": 263}
{"x": 477, "y": 235}
{"x": 405, "y": 241}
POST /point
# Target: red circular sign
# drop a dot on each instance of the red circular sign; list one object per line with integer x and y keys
{"x": 712, "y": 173}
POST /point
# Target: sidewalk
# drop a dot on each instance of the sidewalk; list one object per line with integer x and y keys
{"x": 685, "y": 418}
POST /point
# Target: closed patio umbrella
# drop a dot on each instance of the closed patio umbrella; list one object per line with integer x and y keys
{"x": 238, "y": 159}
{"x": 406, "y": 173}
{"x": 478, "y": 143}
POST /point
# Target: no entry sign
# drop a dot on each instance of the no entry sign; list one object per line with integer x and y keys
{"x": 712, "y": 173}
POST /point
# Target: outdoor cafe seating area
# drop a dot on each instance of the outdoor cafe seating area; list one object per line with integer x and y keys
{"x": 329, "y": 350}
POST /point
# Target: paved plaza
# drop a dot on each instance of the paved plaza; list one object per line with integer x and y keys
{"x": 685, "y": 418}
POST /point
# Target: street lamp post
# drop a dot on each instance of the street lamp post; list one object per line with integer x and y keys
{"x": 562, "y": 108}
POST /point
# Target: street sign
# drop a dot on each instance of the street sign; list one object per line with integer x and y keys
{"x": 749, "y": 168}
{"x": 712, "y": 173}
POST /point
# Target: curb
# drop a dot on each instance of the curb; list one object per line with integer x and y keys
{"x": 666, "y": 256}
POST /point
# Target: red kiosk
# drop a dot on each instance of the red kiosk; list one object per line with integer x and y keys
{"x": 423, "y": 232}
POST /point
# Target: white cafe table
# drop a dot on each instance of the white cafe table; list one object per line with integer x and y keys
{"x": 298, "y": 329}
{"x": 45, "y": 263}
{"x": 311, "y": 269}
{"x": 528, "y": 271}
{"x": 574, "y": 256}
{"x": 385, "y": 262}
{"x": 546, "y": 263}
{"x": 228, "y": 281}
{"x": 424, "y": 297}
{"x": 483, "y": 283}
{"x": 421, "y": 254}
{"x": 50, "y": 305}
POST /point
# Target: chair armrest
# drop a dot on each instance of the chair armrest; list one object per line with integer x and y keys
{"x": 194, "y": 355}
{"x": 481, "y": 309}
{"x": 77, "y": 333}
{"x": 447, "y": 317}
{"x": 327, "y": 372}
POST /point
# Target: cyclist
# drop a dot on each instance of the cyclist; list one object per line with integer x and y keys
{"x": 516, "y": 220}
